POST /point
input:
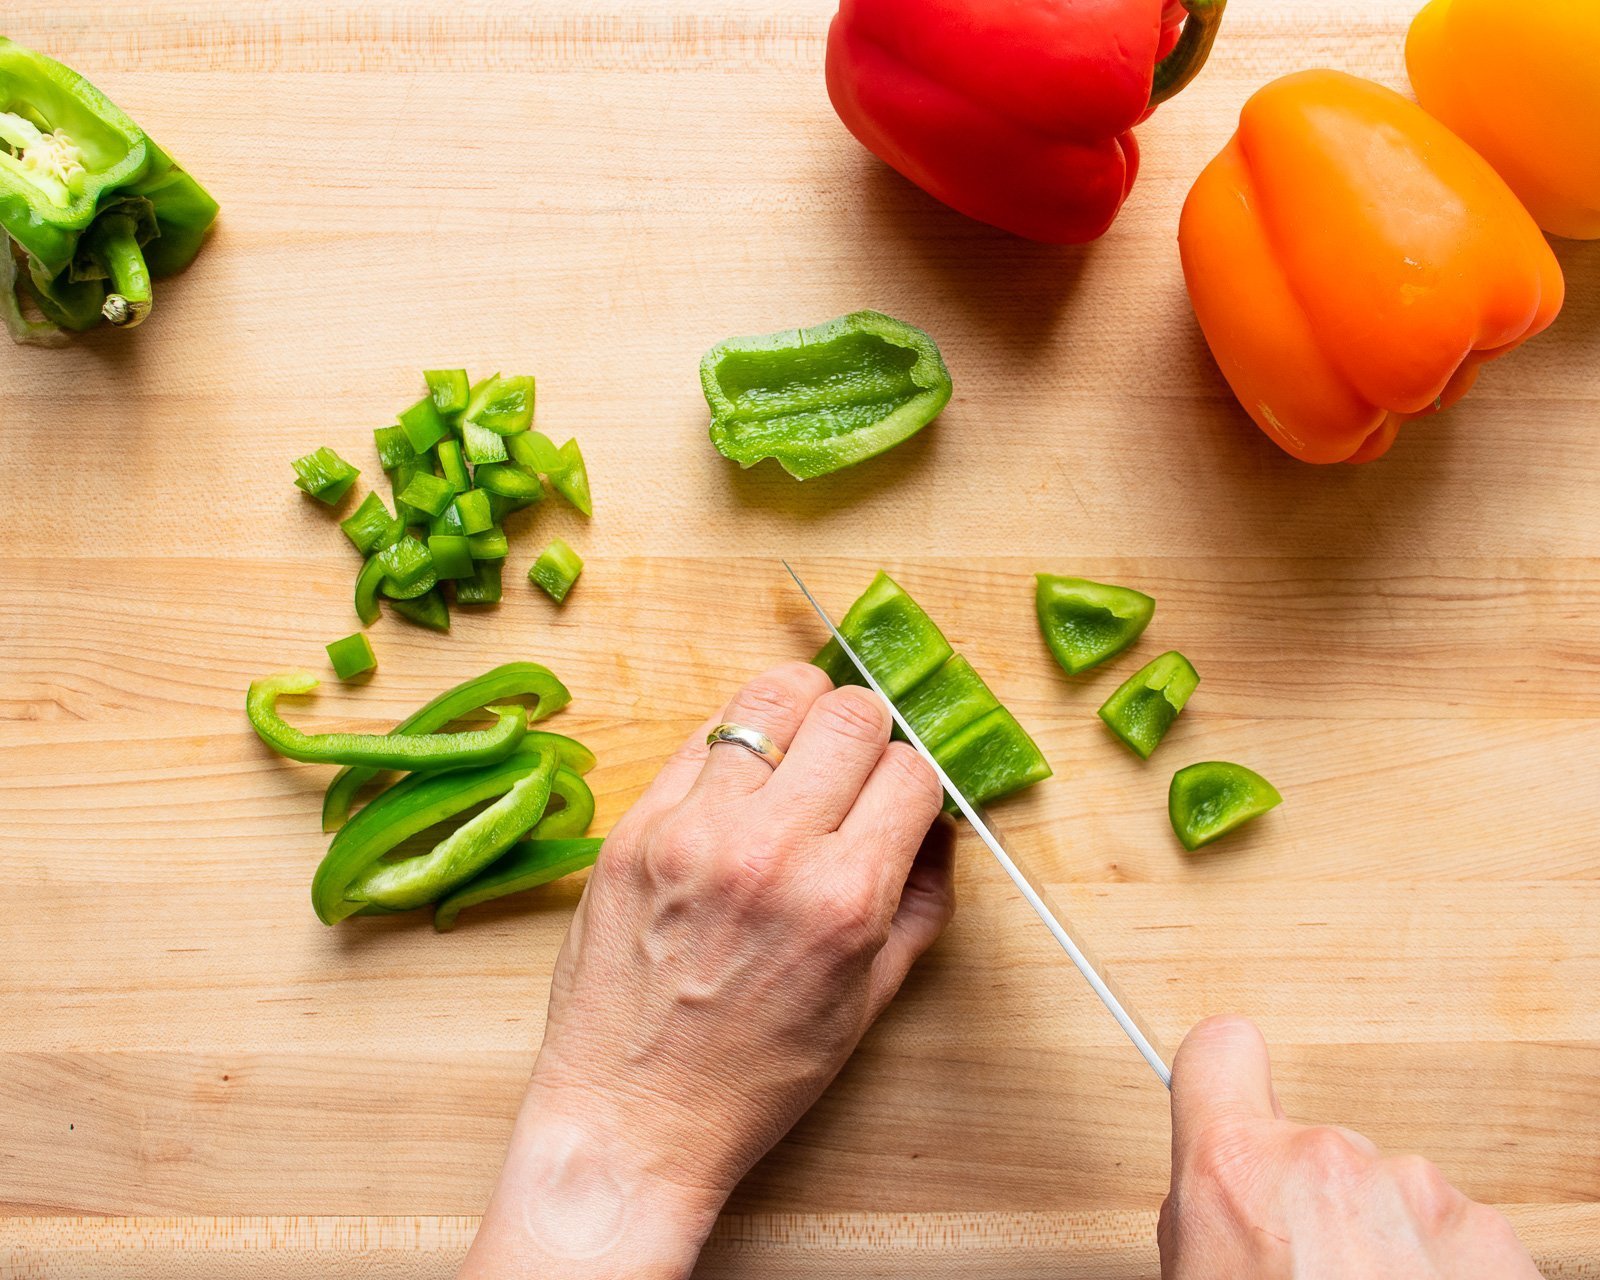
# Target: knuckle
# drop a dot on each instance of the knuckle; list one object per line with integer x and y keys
{"x": 850, "y": 924}
{"x": 1328, "y": 1151}
{"x": 772, "y": 700}
{"x": 910, "y": 774}
{"x": 857, "y": 714}
{"x": 674, "y": 851}
{"x": 1220, "y": 1157}
{"x": 1430, "y": 1197}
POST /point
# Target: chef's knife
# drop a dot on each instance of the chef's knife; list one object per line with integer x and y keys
{"x": 1028, "y": 883}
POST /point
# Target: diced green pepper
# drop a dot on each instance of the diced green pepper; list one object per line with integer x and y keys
{"x": 502, "y": 405}
{"x": 352, "y": 655}
{"x": 1210, "y": 799}
{"x": 370, "y": 526}
{"x": 472, "y": 508}
{"x": 1084, "y": 622}
{"x": 530, "y": 863}
{"x": 482, "y": 445}
{"x": 572, "y": 481}
{"x": 428, "y": 493}
{"x": 899, "y": 643}
{"x": 491, "y": 544}
{"x": 451, "y": 465}
{"x": 823, "y": 398}
{"x": 556, "y": 569}
{"x": 367, "y": 584}
{"x": 509, "y": 480}
{"x": 406, "y": 563}
{"x": 1143, "y": 709}
{"x": 426, "y": 610}
{"x": 399, "y": 479}
{"x": 394, "y": 447}
{"x": 424, "y": 426}
{"x": 484, "y": 586}
{"x": 452, "y": 556}
{"x": 992, "y": 757}
{"x": 323, "y": 474}
{"x": 448, "y": 387}
{"x": 951, "y": 698}
{"x": 500, "y": 506}
{"x": 536, "y": 451}
{"x": 447, "y": 521}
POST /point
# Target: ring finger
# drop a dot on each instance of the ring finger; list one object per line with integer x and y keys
{"x": 775, "y": 704}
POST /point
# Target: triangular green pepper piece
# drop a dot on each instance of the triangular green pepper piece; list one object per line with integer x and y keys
{"x": 1084, "y": 622}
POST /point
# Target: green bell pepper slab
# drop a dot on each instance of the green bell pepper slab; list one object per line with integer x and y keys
{"x": 324, "y": 475}
{"x": 556, "y": 569}
{"x": 951, "y": 698}
{"x": 376, "y": 750}
{"x": 485, "y": 586}
{"x": 1210, "y": 799}
{"x": 889, "y": 631}
{"x": 1143, "y": 709}
{"x": 352, "y": 656}
{"x": 473, "y": 846}
{"x": 1084, "y": 622}
{"x": 501, "y": 405}
{"x": 427, "y": 610}
{"x": 91, "y": 203}
{"x": 823, "y": 398}
{"x": 370, "y": 527}
{"x": 530, "y": 864}
{"x": 504, "y": 683}
{"x": 449, "y": 389}
{"x": 991, "y": 757}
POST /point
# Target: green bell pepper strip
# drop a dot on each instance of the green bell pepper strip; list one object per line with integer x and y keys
{"x": 472, "y": 508}
{"x": 370, "y": 527}
{"x": 449, "y": 389}
{"x": 991, "y": 757}
{"x": 352, "y": 656}
{"x": 502, "y": 684}
{"x": 394, "y": 447}
{"x": 485, "y": 586}
{"x": 1142, "y": 710}
{"x": 501, "y": 405}
{"x": 377, "y": 750}
{"x": 823, "y": 398}
{"x": 1210, "y": 799}
{"x": 324, "y": 475}
{"x": 556, "y": 569}
{"x": 537, "y": 452}
{"x": 572, "y": 480}
{"x": 427, "y": 610}
{"x": 367, "y": 583}
{"x": 411, "y": 806}
{"x": 1084, "y": 622}
{"x": 473, "y": 846}
{"x": 428, "y": 493}
{"x": 451, "y": 465}
{"x": 889, "y": 631}
{"x": 576, "y": 811}
{"x": 509, "y": 481}
{"x": 530, "y": 863}
{"x": 451, "y": 554}
{"x": 951, "y": 698}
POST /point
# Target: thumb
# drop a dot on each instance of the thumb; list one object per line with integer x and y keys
{"x": 1221, "y": 1073}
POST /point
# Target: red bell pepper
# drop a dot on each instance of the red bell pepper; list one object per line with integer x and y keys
{"x": 1016, "y": 112}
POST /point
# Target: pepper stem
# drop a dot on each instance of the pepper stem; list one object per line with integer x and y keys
{"x": 129, "y": 296}
{"x": 1187, "y": 57}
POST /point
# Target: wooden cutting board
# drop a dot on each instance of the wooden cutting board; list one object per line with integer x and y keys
{"x": 595, "y": 193}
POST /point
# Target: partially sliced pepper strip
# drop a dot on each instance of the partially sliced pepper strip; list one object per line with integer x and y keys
{"x": 1142, "y": 710}
{"x": 951, "y": 698}
{"x": 504, "y": 683}
{"x": 892, "y": 634}
{"x": 376, "y": 750}
{"x": 529, "y": 864}
{"x": 992, "y": 757}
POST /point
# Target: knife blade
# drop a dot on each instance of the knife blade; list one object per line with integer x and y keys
{"x": 1029, "y": 883}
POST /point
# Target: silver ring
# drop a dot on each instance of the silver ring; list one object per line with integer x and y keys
{"x": 752, "y": 740}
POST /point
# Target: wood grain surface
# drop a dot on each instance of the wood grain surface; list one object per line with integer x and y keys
{"x": 198, "y": 1079}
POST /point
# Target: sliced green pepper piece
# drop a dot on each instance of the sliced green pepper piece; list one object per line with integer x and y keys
{"x": 576, "y": 811}
{"x": 482, "y": 445}
{"x": 502, "y": 405}
{"x": 992, "y": 757}
{"x": 823, "y": 398}
{"x": 469, "y": 849}
{"x": 406, "y": 563}
{"x": 399, "y": 480}
{"x": 1210, "y": 799}
{"x": 427, "y": 610}
{"x": 452, "y": 556}
{"x": 423, "y": 425}
{"x": 451, "y": 466}
{"x": 484, "y": 586}
{"x": 376, "y": 750}
{"x": 949, "y": 700}
{"x": 501, "y": 506}
{"x": 472, "y": 508}
{"x": 899, "y": 643}
{"x": 324, "y": 475}
{"x": 511, "y": 680}
{"x": 492, "y": 544}
{"x": 394, "y": 447}
{"x": 428, "y": 493}
{"x": 1143, "y": 709}
{"x": 556, "y": 569}
{"x": 367, "y": 583}
{"x": 1084, "y": 622}
{"x": 537, "y": 452}
{"x": 449, "y": 390}
{"x": 530, "y": 863}
{"x": 370, "y": 526}
{"x": 572, "y": 480}
{"x": 448, "y": 523}
{"x": 352, "y": 656}
{"x": 509, "y": 480}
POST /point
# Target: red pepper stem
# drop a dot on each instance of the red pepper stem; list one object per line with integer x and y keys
{"x": 1187, "y": 57}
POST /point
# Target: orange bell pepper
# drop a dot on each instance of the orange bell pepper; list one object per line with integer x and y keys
{"x": 1520, "y": 81}
{"x": 1352, "y": 263}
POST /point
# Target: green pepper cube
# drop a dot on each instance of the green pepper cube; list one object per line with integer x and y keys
{"x": 536, "y": 451}
{"x": 892, "y": 635}
{"x": 473, "y": 510}
{"x": 1143, "y": 709}
{"x": 483, "y": 587}
{"x": 451, "y": 465}
{"x": 352, "y": 656}
{"x": 428, "y": 493}
{"x": 481, "y": 444}
{"x": 572, "y": 481}
{"x": 324, "y": 475}
{"x": 370, "y": 526}
{"x": 556, "y": 569}
{"x": 452, "y": 557}
{"x": 447, "y": 522}
{"x": 501, "y": 405}
{"x": 946, "y": 702}
{"x": 992, "y": 757}
{"x": 427, "y": 610}
{"x": 448, "y": 389}
{"x": 509, "y": 481}
{"x": 424, "y": 427}
{"x": 490, "y": 545}
{"x": 1084, "y": 622}
{"x": 405, "y": 563}
{"x": 1210, "y": 799}
{"x": 394, "y": 447}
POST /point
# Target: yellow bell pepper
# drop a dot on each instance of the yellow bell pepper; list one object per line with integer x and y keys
{"x": 1520, "y": 81}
